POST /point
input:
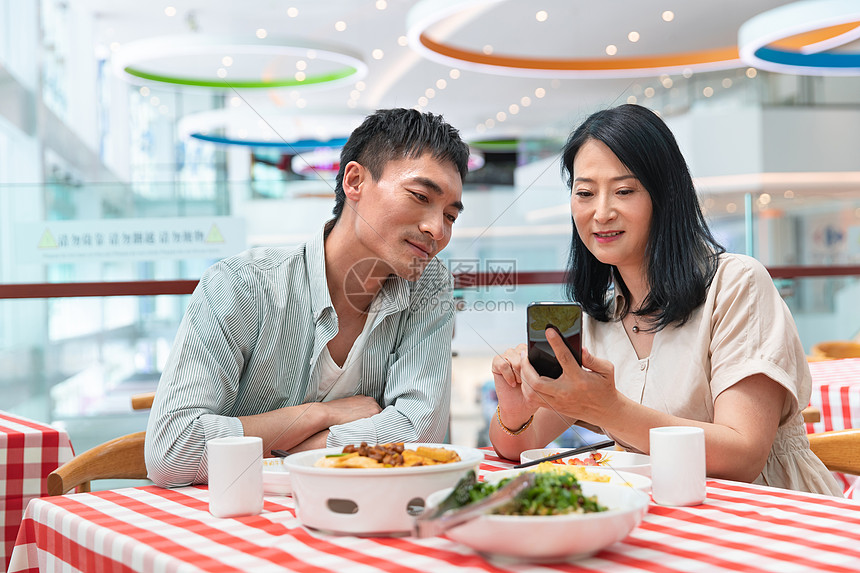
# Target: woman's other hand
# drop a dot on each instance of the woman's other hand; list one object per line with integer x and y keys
{"x": 506, "y": 370}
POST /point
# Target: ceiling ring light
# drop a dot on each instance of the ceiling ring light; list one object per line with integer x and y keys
{"x": 794, "y": 38}
{"x": 429, "y": 13}
{"x": 298, "y": 146}
{"x": 310, "y": 146}
{"x": 130, "y": 61}
{"x": 295, "y": 133}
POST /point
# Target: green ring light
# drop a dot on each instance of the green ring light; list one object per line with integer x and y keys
{"x": 130, "y": 61}
{"x": 251, "y": 84}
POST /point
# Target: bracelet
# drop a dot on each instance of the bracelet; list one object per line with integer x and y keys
{"x": 509, "y": 431}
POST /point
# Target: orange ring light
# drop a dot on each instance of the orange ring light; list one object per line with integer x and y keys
{"x": 428, "y": 13}
{"x": 796, "y": 38}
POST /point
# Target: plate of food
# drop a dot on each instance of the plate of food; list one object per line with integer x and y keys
{"x": 605, "y": 458}
{"x": 276, "y": 478}
{"x": 373, "y": 489}
{"x": 583, "y": 473}
{"x": 559, "y": 518}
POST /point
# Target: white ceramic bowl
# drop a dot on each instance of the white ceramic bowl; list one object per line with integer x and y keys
{"x": 553, "y": 538}
{"x": 276, "y": 478}
{"x": 616, "y": 477}
{"x": 362, "y": 501}
{"x": 621, "y": 461}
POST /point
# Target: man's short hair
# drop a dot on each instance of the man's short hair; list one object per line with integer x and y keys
{"x": 391, "y": 134}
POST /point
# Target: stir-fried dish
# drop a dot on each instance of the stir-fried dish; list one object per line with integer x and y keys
{"x": 554, "y": 493}
{"x": 387, "y": 456}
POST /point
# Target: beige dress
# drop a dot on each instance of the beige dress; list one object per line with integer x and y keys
{"x": 743, "y": 328}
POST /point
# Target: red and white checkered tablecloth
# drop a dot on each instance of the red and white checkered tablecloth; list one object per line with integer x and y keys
{"x": 29, "y": 451}
{"x": 836, "y": 393}
{"x": 740, "y": 527}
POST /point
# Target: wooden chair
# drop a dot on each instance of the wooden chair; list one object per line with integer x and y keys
{"x": 835, "y": 349}
{"x": 120, "y": 458}
{"x": 142, "y": 401}
{"x": 838, "y": 449}
{"x": 811, "y": 415}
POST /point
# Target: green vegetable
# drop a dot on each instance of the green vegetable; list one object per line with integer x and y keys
{"x": 461, "y": 494}
{"x": 552, "y": 494}
{"x": 335, "y": 455}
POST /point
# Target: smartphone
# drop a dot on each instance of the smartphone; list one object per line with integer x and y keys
{"x": 566, "y": 318}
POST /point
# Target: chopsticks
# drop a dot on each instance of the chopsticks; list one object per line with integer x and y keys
{"x": 566, "y": 453}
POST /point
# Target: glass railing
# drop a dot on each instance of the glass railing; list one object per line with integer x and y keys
{"x": 77, "y": 360}
{"x": 79, "y": 335}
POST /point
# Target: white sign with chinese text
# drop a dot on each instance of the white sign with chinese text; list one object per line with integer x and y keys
{"x": 49, "y": 242}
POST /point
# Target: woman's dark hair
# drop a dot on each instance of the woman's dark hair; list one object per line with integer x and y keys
{"x": 390, "y": 134}
{"x": 682, "y": 254}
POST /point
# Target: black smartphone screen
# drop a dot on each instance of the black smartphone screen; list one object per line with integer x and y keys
{"x": 566, "y": 318}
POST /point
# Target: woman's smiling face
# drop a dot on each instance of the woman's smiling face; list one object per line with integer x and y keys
{"x": 611, "y": 208}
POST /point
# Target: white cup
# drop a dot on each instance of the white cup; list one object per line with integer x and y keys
{"x": 678, "y": 465}
{"x": 235, "y": 476}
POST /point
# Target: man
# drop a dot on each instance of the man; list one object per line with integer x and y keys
{"x": 346, "y": 338}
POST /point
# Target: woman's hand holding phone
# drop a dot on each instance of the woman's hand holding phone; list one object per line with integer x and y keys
{"x": 584, "y": 392}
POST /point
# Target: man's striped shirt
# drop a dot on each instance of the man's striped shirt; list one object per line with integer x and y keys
{"x": 249, "y": 342}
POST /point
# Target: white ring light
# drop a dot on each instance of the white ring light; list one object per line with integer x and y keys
{"x": 129, "y": 61}
{"x": 450, "y": 14}
{"x": 757, "y": 36}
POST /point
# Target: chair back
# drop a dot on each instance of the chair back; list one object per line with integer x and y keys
{"x": 835, "y": 349}
{"x": 142, "y": 401}
{"x": 838, "y": 449}
{"x": 120, "y": 458}
{"x": 811, "y": 415}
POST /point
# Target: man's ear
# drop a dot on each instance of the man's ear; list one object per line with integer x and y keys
{"x": 354, "y": 175}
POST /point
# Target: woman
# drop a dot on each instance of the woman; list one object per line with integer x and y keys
{"x": 676, "y": 331}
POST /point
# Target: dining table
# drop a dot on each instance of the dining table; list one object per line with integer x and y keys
{"x": 836, "y": 394}
{"x": 739, "y": 527}
{"x": 29, "y": 451}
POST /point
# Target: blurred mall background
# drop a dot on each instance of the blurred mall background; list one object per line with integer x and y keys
{"x": 142, "y": 141}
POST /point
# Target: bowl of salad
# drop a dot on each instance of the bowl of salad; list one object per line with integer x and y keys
{"x": 557, "y": 519}
{"x": 605, "y": 458}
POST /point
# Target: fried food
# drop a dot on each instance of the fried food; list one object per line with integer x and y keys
{"x": 387, "y": 456}
{"x": 581, "y": 473}
{"x": 440, "y": 455}
{"x": 357, "y": 462}
{"x": 332, "y": 461}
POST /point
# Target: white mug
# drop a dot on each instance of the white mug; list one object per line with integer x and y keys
{"x": 235, "y": 476}
{"x": 678, "y": 465}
